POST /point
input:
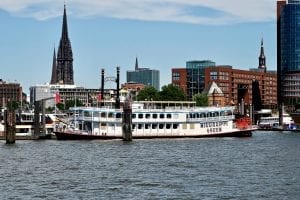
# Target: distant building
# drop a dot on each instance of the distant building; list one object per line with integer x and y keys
{"x": 257, "y": 87}
{"x": 288, "y": 52}
{"x": 179, "y": 78}
{"x": 191, "y": 78}
{"x": 132, "y": 88}
{"x": 215, "y": 95}
{"x": 195, "y": 76}
{"x": 66, "y": 93}
{"x": 146, "y": 76}
{"x": 237, "y": 85}
{"x": 62, "y": 66}
{"x": 10, "y": 92}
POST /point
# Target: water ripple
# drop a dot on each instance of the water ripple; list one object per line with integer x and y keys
{"x": 265, "y": 166}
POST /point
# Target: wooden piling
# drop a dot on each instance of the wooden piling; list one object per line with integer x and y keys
{"x": 10, "y": 126}
{"x": 127, "y": 121}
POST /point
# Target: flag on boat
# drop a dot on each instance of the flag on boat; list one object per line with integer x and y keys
{"x": 57, "y": 98}
{"x": 99, "y": 98}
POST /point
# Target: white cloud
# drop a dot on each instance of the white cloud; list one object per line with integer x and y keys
{"x": 183, "y": 11}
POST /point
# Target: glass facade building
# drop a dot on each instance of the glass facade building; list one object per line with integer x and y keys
{"x": 288, "y": 54}
{"x": 148, "y": 77}
{"x": 195, "y": 76}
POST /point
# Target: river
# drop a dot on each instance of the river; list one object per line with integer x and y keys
{"x": 264, "y": 166}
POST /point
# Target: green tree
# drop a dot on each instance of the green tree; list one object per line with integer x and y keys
{"x": 201, "y": 99}
{"x": 171, "y": 93}
{"x": 147, "y": 94}
{"x": 69, "y": 104}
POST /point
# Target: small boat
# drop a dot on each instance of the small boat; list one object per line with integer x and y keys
{"x": 148, "y": 120}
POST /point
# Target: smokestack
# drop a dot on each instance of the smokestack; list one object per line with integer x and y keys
{"x": 118, "y": 89}
{"x": 102, "y": 87}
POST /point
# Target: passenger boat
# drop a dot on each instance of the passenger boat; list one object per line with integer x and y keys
{"x": 24, "y": 125}
{"x": 151, "y": 121}
{"x": 272, "y": 123}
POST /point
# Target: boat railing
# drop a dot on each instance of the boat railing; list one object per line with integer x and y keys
{"x": 208, "y": 119}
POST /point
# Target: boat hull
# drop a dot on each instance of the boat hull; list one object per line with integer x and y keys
{"x": 77, "y": 136}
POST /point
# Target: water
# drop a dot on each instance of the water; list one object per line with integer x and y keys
{"x": 265, "y": 166}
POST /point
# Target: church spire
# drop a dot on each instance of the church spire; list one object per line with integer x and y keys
{"x": 262, "y": 57}
{"x": 64, "y": 33}
{"x": 64, "y": 55}
{"x": 54, "y": 69}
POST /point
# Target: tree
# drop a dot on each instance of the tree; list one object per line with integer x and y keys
{"x": 69, "y": 104}
{"x": 147, "y": 94}
{"x": 171, "y": 93}
{"x": 201, "y": 99}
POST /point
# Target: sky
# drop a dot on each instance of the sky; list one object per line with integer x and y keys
{"x": 162, "y": 34}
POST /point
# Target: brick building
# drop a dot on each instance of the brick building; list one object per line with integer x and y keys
{"x": 10, "y": 92}
{"x": 179, "y": 78}
{"x": 252, "y": 87}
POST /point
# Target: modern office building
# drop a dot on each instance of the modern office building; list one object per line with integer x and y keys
{"x": 62, "y": 66}
{"x": 9, "y": 92}
{"x": 288, "y": 52}
{"x": 195, "y": 76}
{"x": 146, "y": 76}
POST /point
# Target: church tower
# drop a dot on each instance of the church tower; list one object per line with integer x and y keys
{"x": 262, "y": 58}
{"x": 54, "y": 69}
{"x": 64, "y": 61}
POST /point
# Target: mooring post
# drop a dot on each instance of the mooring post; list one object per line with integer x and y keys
{"x": 127, "y": 120}
{"x": 10, "y": 125}
{"x": 37, "y": 127}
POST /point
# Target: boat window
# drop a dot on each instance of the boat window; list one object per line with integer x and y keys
{"x": 217, "y": 114}
{"x": 184, "y": 126}
{"x": 103, "y": 124}
{"x": 202, "y": 125}
{"x": 140, "y": 116}
{"x": 103, "y": 114}
{"x": 118, "y": 115}
{"x": 147, "y": 116}
{"x": 161, "y": 115}
{"x": 154, "y": 116}
{"x": 87, "y": 114}
{"x": 169, "y": 116}
{"x": 161, "y": 126}
{"x": 191, "y": 115}
{"x": 202, "y": 115}
{"x": 222, "y": 113}
{"x": 110, "y": 115}
{"x": 133, "y": 126}
{"x": 96, "y": 114}
{"x": 133, "y": 116}
{"x": 154, "y": 126}
{"x": 175, "y": 116}
{"x": 147, "y": 126}
{"x": 197, "y": 115}
{"x": 140, "y": 126}
{"x": 168, "y": 126}
{"x": 175, "y": 126}
{"x": 192, "y": 126}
